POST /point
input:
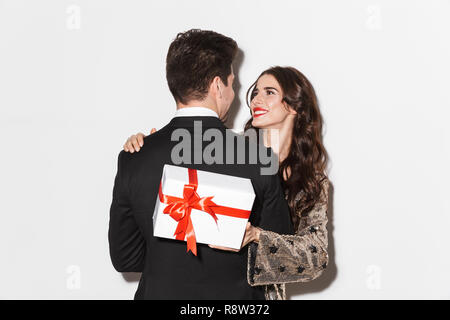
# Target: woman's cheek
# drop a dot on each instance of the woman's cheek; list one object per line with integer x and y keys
{"x": 277, "y": 115}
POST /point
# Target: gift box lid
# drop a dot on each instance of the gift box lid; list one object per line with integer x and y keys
{"x": 226, "y": 190}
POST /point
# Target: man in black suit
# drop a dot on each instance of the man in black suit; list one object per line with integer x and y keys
{"x": 200, "y": 77}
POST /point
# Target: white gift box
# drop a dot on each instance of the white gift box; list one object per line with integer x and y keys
{"x": 228, "y": 191}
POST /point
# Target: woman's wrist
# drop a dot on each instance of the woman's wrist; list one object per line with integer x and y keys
{"x": 257, "y": 234}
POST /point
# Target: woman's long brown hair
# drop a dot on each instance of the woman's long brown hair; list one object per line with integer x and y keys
{"x": 307, "y": 158}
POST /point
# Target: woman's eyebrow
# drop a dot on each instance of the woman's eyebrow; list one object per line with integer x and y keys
{"x": 267, "y": 88}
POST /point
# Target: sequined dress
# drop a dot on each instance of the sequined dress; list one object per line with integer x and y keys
{"x": 279, "y": 259}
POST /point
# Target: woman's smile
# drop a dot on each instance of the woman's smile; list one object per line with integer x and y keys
{"x": 258, "y": 111}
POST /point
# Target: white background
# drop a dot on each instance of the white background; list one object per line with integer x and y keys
{"x": 78, "y": 77}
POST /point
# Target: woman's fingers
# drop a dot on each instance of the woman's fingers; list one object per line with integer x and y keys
{"x": 128, "y": 147}
{"x": 223, "y": 248}
{"x": 134, "y": 139}
{"x": 140, "y": 139}
{"x": 246, "y": 240}
{"x": 135, "y": 142}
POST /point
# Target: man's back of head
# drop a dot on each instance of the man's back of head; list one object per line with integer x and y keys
{"x": 199, "y": 69}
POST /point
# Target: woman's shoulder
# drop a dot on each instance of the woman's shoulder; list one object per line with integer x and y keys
{"x": 325, "y": 184}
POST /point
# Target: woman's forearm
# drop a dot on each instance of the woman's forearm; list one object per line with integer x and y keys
{"x": 302, "y": 257}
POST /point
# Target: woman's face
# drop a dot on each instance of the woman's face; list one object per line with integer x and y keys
{"x": 269, "y": 111}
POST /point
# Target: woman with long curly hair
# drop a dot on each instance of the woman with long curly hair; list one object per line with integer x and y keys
{"x": 283, "y": 99}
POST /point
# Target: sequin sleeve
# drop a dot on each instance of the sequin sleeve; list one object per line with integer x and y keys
{"x": 302, "y": 257}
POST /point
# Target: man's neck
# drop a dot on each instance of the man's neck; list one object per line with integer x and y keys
{"x": 203, "y": 104}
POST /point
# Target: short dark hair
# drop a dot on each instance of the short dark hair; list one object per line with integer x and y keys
{"x": 194, "y": 59}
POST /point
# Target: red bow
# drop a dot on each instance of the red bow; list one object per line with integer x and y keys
{"x": 180, "y": 210}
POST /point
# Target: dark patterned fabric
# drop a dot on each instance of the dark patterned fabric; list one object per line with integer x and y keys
{"x": 278, "y": 259}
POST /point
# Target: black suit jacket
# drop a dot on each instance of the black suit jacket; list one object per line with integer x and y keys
{"x": 168, "y": 271}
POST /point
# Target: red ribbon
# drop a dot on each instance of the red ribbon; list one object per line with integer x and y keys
{"x": 180, "y": 210}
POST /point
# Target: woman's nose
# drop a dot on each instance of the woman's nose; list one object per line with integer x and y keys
{"x": 257, "y": 99}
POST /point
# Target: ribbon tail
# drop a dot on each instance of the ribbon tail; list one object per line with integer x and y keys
{"x": 190, "y": 238}
{"x": 180, "y": 231}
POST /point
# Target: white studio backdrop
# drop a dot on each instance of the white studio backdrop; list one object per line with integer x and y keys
{"x": 78, "y": 77}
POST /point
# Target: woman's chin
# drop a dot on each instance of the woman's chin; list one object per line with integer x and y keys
{"x": 255, "y": 123}
{"x": 259, "y": 123}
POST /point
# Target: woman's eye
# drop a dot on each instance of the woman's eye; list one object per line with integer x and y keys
{"x": 270, "y": 92}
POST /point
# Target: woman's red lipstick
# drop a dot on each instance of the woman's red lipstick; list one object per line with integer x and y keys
{"x": 261, "y": 112}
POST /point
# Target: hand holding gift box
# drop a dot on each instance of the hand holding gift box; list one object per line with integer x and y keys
{"x": 204, "y": 207}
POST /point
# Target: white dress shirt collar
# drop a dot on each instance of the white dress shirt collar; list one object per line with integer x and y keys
{"x": 195, "y": 112}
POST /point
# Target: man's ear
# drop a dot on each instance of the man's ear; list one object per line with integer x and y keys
{"x": 214, "y": 87}
{"x": 217, "y": 86}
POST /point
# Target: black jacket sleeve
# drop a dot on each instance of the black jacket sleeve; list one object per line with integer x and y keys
{"x": 126, "y": 242}
{"x": 275, "y": 214}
